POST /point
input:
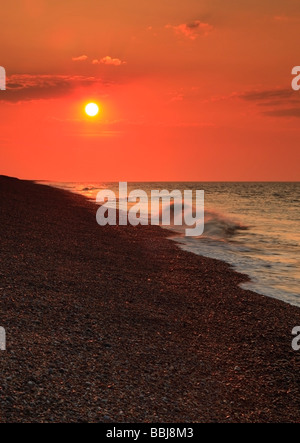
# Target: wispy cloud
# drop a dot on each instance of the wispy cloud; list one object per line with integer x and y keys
{"x": 267, "y": 95}
{"x": 26, "y": 87}
{"x": 81, "y": 58}
{"x": 282, "y": 102}
{"x": 192, "y": 30}
{"x": 290, "y": 112}
{"x": 285, "y": 19}
{"x": 103, "y": 61}
{"x": 109, "y": 61}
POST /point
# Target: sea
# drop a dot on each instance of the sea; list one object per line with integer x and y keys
{"x": 255, "y": 227}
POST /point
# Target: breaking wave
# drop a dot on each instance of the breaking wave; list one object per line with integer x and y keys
{"x": 217, "y": 226}
{"x": 220, "y": 227}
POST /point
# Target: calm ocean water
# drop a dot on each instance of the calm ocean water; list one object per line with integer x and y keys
{"x": 252, "y": 226}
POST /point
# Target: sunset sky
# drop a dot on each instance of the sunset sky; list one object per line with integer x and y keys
{"x": 187, "y": 90}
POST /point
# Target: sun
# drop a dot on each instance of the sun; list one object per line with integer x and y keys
{"x": 92, "y": 109}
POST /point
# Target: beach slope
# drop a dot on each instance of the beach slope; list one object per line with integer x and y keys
{"x": 117, "y": 324}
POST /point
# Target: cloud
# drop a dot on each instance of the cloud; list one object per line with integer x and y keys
{"x": 177, "y": 98}
{"x": 103, "y": 61}
{"x": 268, "y": 95}
{"x": 26, "y": 87}
{"x": 285, "y": 19}
{"x": 282, "y": 102}
{"x": 292, "y": 112}
{"x": 109, "y": 61}
{"x": 192, "y": 30}
{"x": 81, "y": 58}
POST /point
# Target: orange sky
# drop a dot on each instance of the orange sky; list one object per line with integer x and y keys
{"x": 188, "y": 90}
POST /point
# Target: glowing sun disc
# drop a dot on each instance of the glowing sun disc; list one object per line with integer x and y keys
{"x": 92, "y": 109}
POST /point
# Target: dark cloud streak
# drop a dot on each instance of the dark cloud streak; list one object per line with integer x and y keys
{"x": 267, "y": 95}
{"x": 282, "y": 102}
{"x": 21, "y": 88}
{"x": 292, "y": 112}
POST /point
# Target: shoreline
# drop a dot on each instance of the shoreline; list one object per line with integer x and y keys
{"x": 119, "y": 324}
{"x": 243, "y": 256}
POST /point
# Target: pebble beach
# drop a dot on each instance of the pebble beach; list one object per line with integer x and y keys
{"x": 117, "y": 324}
